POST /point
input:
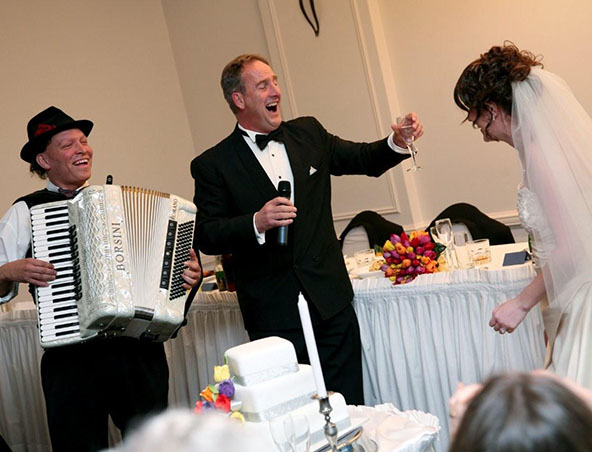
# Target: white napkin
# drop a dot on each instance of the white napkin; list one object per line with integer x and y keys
{"x": 398, "y": 431}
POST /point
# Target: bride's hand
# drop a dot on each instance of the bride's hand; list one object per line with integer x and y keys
{"x": 508, "y": 315}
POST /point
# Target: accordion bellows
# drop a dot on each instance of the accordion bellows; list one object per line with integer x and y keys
{"x": 119, "y": 253}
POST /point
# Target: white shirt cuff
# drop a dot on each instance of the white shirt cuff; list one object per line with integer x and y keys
{"x": 259, "y": 235}
{"x": 394, "y": 147}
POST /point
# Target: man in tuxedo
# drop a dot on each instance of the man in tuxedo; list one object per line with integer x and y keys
{"x": 239, "y": 212}
{"x": 83, "y": 383}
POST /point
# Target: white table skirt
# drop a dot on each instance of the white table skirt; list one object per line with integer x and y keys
{"x": 419, "y": 340}
{"x": 214, "y": 325}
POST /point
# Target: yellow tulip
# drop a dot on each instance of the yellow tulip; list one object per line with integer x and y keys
{"x": 221, "y": 373}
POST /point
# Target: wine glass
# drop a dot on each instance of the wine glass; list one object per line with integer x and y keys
{"x": 301, "y": 433}
{"x": 405, "y": 124}
{"x": 282, "y": 432}
{"x": 444, "y": 231}
{"x": 434, "y": 235}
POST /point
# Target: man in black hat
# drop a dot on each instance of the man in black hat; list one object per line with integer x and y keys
{"x": 82, "y": 383}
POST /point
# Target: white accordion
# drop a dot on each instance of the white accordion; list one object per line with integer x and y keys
{"x": 119, "y": 253}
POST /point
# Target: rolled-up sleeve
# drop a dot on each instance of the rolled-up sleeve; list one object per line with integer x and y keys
{"x": 15, "y": 236}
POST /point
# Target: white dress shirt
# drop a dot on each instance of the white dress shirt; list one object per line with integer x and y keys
{"x": 274, "y": 160}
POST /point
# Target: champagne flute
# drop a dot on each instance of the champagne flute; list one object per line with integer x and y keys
{"x": 409, "y": 140}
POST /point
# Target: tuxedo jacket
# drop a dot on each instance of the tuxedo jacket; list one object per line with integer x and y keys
{"x": 231, "y": 185}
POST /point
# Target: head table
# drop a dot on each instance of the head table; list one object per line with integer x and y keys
{"x": 418, "y": 341}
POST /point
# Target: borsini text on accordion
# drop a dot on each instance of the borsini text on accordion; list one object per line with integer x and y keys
{"x": 119, "y": 253}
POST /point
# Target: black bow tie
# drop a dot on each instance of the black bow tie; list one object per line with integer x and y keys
{"x": 68, "y": 193}
{"x": 276, "y": 135}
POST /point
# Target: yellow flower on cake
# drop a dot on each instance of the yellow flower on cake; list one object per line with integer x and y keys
{"x": 221, "y": 373}
{"x": 238, "y": 416}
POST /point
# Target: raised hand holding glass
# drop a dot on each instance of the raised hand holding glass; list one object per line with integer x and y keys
{"x": 407, "y": 134}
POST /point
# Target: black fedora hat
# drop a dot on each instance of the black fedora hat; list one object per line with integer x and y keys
{"x": 45, "y": 125}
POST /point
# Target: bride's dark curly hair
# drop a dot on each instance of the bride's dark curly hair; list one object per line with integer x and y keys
{"x": 489, "y": 78}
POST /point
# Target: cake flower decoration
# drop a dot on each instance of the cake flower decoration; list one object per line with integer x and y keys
{"x": 218, "y": 396}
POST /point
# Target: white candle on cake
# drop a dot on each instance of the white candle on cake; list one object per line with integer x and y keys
{"x": 311, "y": 346}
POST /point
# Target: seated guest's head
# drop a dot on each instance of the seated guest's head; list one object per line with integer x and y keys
{"x": 525, "y": 412}
{"x": 184, "y": 431}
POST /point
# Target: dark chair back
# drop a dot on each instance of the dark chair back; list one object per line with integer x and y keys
{"x": 378, "y": 228}
{"x": 480, "y": 225}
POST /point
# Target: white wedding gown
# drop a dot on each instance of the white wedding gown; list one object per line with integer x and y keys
{"x": 569, "y": 329}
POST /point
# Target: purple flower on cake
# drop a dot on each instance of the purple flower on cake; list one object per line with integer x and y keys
{"x": 226, "y": 388}
{"x": 217, "y": 396}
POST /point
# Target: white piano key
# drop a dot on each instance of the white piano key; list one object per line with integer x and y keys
{"x": 49, "y": 338}
{"x": 44, "y": 291}
{"x": 51, "y": 307}
{"x": 71, "y": 313}
{"x": 52, "y": 325}
{"x": 45, "y": 236}
{"x": 44, "y": 245}
{"x": 53, "y": 301}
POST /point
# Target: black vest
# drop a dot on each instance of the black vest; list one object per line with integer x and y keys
{"x": 33, "y": 199}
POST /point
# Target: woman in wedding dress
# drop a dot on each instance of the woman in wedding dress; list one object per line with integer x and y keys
{"x": 511, "y": 98}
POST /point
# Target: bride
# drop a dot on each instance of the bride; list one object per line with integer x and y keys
{"x": 509, "y": 97}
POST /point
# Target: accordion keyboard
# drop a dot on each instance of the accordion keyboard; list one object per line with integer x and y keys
{"x": 119, "y": 254}
{"x": 56, "y": 304}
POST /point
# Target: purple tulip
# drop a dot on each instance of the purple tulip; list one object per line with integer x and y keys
{"x": 226, "y": 388}
{"x": 424, "y": 239}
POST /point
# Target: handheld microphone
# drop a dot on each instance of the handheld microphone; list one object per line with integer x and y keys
{"x": 285, "y": 191}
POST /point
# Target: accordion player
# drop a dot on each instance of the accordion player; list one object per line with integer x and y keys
{"x": 119, "y": 254}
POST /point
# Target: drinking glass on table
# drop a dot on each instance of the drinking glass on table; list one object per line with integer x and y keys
{"x": 405, "y": 128}
{"x": 291, "y": 433}
{"x": 463, "y": 258}
{"x": 282, "y": 432}
{"x": 364, "y": 258}
{"x": 444, "y": 232}
{"x": 480, "y": 252}
{"x": 301, "y": 433}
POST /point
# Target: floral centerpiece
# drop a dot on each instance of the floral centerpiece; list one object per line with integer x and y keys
{"x": 406, "y": 257}
{"x": 218, "y": 396}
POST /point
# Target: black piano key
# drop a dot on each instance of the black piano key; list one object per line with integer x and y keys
{"x": 60, "y": 285}
{"x": 59, "y": 260}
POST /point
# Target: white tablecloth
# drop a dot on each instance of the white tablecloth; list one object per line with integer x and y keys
{"x": 419, "y": 340}
{"x": 395, "y": 431}
{"x": 214, "y": 325}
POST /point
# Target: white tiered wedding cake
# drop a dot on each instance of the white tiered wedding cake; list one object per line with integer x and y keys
{"x": 270, "y": 383}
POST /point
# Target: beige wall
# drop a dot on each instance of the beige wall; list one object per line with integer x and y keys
{"x": 430, "y": 42}
{"x": 147, "y": 73}
{"x": 109, "y": 61}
